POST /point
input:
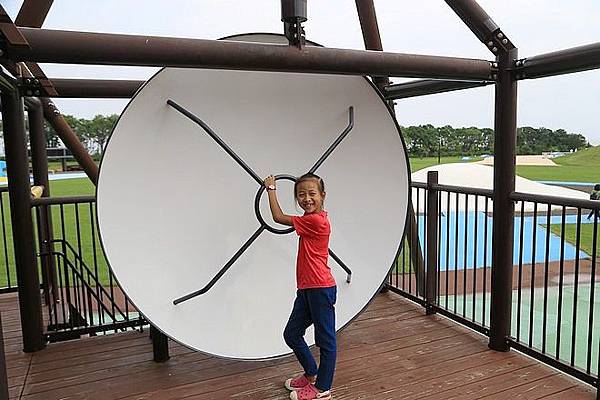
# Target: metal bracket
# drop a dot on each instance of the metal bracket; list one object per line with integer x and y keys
{"x": 295, "y": 34}
{"x": 498, "y": 42}
{"x": 30, "y": 87}
{"x": 519, "y": 69}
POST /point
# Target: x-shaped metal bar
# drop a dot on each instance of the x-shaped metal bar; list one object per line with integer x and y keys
{"x": 257, "y": 178}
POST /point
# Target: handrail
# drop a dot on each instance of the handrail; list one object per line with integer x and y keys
{"x": 46, "y": 201}
{"x": 81, "y": 278}
{"x": 87, "y": 269}
{"x": 556, "y": 200}
{"x": 463, "y": 190}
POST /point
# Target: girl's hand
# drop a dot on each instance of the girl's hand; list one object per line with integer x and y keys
{"x": 269, "y": 180}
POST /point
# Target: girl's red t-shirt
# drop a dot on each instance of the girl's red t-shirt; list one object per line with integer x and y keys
{"x": 312, "y": 270}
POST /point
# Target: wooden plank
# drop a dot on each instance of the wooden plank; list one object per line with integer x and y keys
{"x": 391, "y": 351}
{"x": 497, "y": 383}
{"x": 542, "y": 388}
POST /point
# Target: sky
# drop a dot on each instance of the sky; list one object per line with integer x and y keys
{"x": 570, "y": 102}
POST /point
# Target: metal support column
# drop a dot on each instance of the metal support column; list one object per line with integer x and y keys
{"x": 160, "y": 345}
{"x": 39, "y": 164}
{"x": 15, "y": 145}
{"x": 505, "y": 141}
{"x": 431, "y": 242}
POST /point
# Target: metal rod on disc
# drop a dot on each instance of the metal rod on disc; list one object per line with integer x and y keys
{"x": 337, "y": 141}
{"x": 223, "y": 270}
{"x": 341, "y": 264}
{"x": 217, "y": 139}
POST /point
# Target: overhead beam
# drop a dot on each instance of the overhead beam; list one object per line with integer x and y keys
{"x": 425, "y": 87}
{"x": 575, "y": 59}
{"x": 56, "y": 46}
{"x": 33, "y": 13}
{"x": 95, "y": 88}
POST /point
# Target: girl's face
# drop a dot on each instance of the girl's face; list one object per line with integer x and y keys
{"x": 309, "y": 196}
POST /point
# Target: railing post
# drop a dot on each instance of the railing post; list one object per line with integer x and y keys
{"x": 505, "y": 143}
{"x": 505, "y": 139}
{"x": 3, "y": 375}
{"x": 39, "y": 165}
{"x": 431, "y": 242}
{"x": 160, "y": 345}
{"x": 15, "y": 144}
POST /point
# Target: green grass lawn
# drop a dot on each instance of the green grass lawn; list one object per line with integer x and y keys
{"x": 586, "y": 239}
{"x": 80, "y": 238}
{"x": 417, "y": 163}
{"x": 576, "y": 167}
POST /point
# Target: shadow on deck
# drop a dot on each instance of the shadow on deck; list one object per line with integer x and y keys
{"x": 392, "y": 351}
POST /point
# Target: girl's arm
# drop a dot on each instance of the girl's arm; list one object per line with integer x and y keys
{"x": 278, "y": 215}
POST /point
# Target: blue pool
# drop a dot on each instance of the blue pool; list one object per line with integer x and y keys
{"x": 459, "y": 252}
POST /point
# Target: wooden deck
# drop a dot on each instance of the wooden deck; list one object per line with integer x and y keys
{"x": 392, "y": 351}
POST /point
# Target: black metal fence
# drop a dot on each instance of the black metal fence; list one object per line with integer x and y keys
{"x": 8, "y": 274}
{"x": 81, "y": 294}
{"x": 555, "y": 302}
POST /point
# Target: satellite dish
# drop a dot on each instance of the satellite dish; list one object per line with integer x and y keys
{"x": 181, "y": 209}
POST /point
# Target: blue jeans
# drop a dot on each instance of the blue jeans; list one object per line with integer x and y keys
{"x": 314, "y": 306}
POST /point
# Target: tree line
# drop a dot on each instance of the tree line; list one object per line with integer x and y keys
{"x": 429, "y": 141}
{"x": 421, "y": 141}
{"x": 93, "y": 133}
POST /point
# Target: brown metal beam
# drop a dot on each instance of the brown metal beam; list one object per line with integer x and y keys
{"x": 95, "y": 88}
{"x": 112, "y": 49}
{"x": 575, "y": 59}
{"x": 481, "y": 24}
{"x": 33, "y": 13}
{"x": 70, "y": 139}
{"x": 428, "y": 86}
{"x": 370, "y": 32}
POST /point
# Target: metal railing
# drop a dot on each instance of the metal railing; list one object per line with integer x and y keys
{"x": 81, "y": 293}
{"x": 555, "y": 302}
{"x": 8, "y": 274}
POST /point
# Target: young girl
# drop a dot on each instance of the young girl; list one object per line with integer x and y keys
{"x": 316, "y": 295}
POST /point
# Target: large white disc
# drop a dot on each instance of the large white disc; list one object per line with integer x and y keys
{"x": 173, "y": 207}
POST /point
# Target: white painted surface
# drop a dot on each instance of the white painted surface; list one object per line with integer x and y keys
{"x": 169, "y": 239}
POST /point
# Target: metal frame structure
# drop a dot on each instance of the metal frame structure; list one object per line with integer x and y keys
{"x": 23, "y": 43}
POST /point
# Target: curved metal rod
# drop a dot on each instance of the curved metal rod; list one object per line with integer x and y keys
{"x": 341, "y": 264}
{"x": 337, "y": 141}
{"x": 217, "y": 139}
{"x": 223, "y": 270}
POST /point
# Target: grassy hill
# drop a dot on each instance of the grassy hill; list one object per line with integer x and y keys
{"x": 581, "y": 166}
{"x": 583, "y": 158}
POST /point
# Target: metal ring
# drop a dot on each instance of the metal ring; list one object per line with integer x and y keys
{"x": 257, "y": 206}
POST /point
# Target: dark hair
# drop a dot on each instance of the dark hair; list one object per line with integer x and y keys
{"x": 597, "y": 186}
{"x": 307, "y": 177}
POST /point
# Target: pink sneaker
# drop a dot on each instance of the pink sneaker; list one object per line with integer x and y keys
{"x": 297, "y": 383}
{"x": 310, "y": 392}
